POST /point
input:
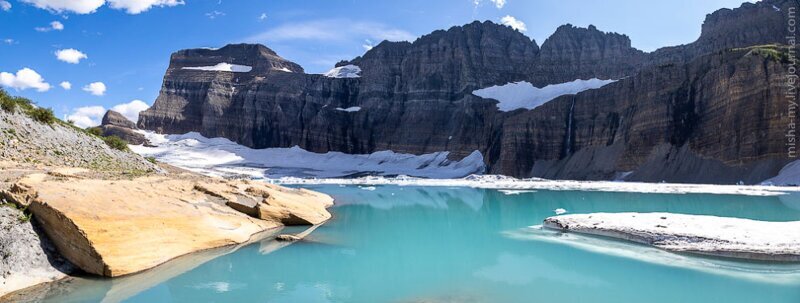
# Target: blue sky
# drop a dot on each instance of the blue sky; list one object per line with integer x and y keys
{"x": 127, "y": 43}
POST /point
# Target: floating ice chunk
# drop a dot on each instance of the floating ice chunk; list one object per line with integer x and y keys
{"x": 346, "y": 71}
{"x": 701, "y": 234}
{"x": 222, "y": 67}
{"x": 509, "y": 192}
{"x": 560, "y": 211}
{"x": 351, "y": 109}
{"x": 523, "y": 94}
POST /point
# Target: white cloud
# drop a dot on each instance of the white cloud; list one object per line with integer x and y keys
{"x": 131, "y": 109}
{"x": 70, "y": 55}
{"x": 138, "y": 6}
{"x": 24, "y": 79}
{"x": 9, "y": 41}
{"x": 90, "y": 6}
{"x": 54, "y": 26}
{"x": 213, "y": 15}
{"x": 513, "y": 23}
{"x": 333, "y": 30}
{"x": 499, "y": 3}
{"x": 5, "y": 5}
{"x": 368, "y": 44}
{"x": 74, "y": 6}
{"x": 87, "y": 116}
{"x": 262, "y": 17}
{"x": 66, "y": 85}
{"x": 95, "y": 88}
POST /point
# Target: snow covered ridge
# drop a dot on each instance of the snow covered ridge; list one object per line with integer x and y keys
{"x": 509, "y": 183}
{"x": 708, "y": 235}
{"x": 224, "y": 158}
{"x": 523, "y": 94}
{"x": 346, "y": 71}
{"x": 222, "y": 67}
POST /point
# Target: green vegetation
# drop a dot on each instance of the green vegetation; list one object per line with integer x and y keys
{"x": 151, "y": 159}
{"x": 44, "y": 115}
{"x": 10, "y": 104}
{"x": 774, "y": 52}
{"x": 116, "y": 143}
{"x": 96, "y": 131}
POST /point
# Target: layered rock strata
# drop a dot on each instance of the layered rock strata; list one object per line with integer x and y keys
{"x": 712, "y": 106}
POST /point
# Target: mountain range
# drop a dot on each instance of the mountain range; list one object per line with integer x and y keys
{"x": 711, "y": 111}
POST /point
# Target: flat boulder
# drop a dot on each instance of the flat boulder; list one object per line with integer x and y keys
{"x": 118, "y": 227}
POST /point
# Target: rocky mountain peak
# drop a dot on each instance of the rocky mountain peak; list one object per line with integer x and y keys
{"x": 260, "y": 58}
{"x": 115, "y": 118}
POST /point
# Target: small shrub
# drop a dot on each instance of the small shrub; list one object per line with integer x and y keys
{"x": 7, "y": 104}
{"x": 151, "y": 159}
{"x": 44, "y": 115}
{"x": 97, "y": 131}
{"x": 116, "y": 143}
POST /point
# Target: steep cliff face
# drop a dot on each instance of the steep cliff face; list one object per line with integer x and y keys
{"x": 702, "y": 105}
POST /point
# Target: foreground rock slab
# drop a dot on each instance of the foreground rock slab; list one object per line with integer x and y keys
{"x": 118, "y": 227}
{"x": 708, "y": 235}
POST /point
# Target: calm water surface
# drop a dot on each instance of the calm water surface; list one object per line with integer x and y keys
{"x": 439, "y": 244}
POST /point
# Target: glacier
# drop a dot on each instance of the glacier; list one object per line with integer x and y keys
{"x": 523, "y": 94}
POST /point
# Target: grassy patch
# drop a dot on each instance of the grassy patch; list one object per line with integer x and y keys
{"x": 151, "y": 159}
{"x": 116, "y": 143}
{"x": 44, "y": 115}
{"x": 775, "y": 52}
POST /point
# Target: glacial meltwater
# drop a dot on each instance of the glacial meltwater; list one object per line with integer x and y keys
{"x": 459, "y": 244}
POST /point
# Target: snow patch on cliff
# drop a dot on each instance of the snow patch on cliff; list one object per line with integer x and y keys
{"x": 523, "y": 94}
{"x": 222, "y": 67}
{"x": 349, "y": 109}
{"x": 346, "y": 71}
{"x": 788, "y": 176}
{"x": 222, "y": 157}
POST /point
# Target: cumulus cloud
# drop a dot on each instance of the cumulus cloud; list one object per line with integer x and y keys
{"x": 90, "y": 6}
{"x": 87, "y": 116}
{"x": 74, "y": 6}
{"x": 262, "y": 17}
{"x": 24, "y": 79}
{"x": 95, "y": 88}
{"x": 66, "y": 85}
{"x": 5, "y": 5}
{"x": 54, "y": 26}
{"x": 138, "y": 6}
{"x": 513, "y": 23}
{"x": 333, "y": 30}
{"x": 70, "y": 55}
{"x": 131, "y": 109}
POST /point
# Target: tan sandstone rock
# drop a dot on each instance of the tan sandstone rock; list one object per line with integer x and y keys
{"x": 118, "y": 227}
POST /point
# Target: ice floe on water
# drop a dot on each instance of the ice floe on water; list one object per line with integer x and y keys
{"x": 509, "y": 184}
{"x": 523, "y": 94}
{"x": 346, "y": 71}
{"x": 701, "y": 234}
{"x": 560, "y": 211}
{"x": 225, "y": 158}
{"x": 222, "y": 67}
{"x": 787, "y": 274}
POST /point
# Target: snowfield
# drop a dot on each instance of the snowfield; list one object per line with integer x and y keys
{"x": 708, "y": 235}
{"x": 222, "y": 67}
{"x": 346, "y": 71}
{"x": 225, "y": 158}
{"x": 523, "y": 94}
{"x": 788, "y": 176}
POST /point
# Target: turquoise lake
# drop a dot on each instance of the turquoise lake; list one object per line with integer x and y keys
{"x": 458, "y": 244}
